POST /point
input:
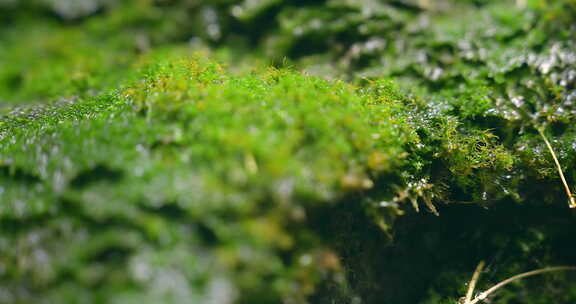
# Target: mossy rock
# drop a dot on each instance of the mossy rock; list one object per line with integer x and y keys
{"x": 133, "y": 172}
{"x": 188, "y": 183}
{"x": 214, "y": 183}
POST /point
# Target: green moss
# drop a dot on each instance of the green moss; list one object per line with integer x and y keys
{"x": 47, "y": 62}
{"x": 187, "y": 169}
{"x": 116, "y": 181}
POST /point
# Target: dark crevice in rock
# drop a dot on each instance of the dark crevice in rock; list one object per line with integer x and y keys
{"x": 426, "y": 248}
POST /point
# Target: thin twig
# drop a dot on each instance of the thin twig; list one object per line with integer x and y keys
{"x": 571, "y": 198}
{"x": 472, "y": 284}
{"x": 485, "y": 294}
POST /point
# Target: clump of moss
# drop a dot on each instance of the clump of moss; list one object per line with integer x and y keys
{"x": 195, "y": 165}
{"x": 189, "y": 176}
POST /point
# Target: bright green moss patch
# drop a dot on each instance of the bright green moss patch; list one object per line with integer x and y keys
{"x": 266, "y": 122}
{"x": 190, "y": 174}
{"x": 189, "y": 157}
{"x": 221, "y": 172}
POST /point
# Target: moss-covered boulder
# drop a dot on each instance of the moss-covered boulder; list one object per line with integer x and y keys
{"x": 189, "y": 183}
{"x": 133, "y": 171}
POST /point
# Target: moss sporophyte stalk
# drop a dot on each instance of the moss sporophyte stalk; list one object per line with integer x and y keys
{"x": 484, "y": 295}
{"x": 571, "y": 197}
